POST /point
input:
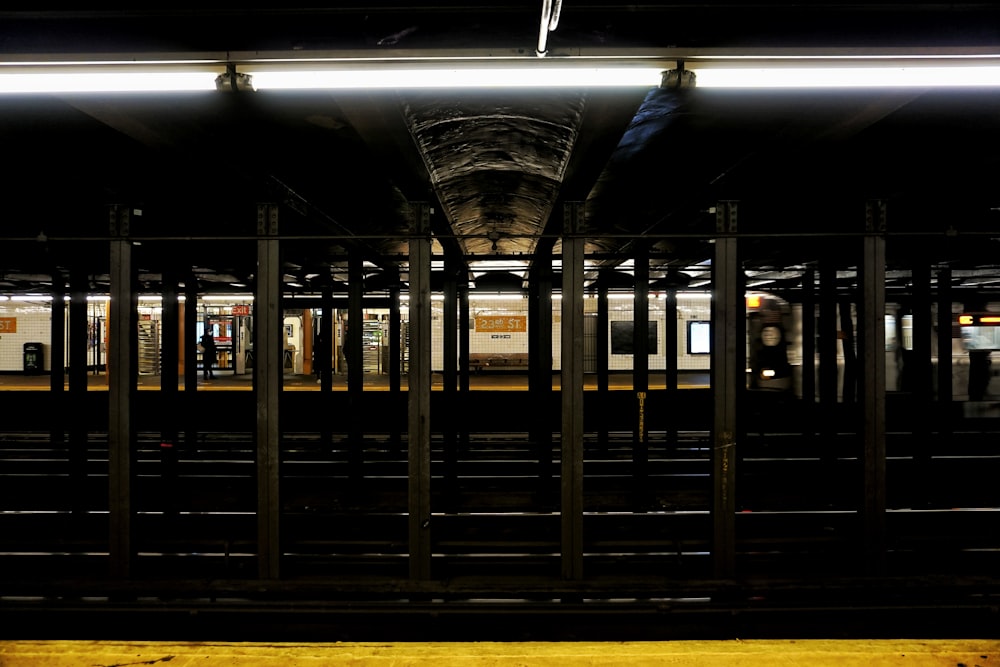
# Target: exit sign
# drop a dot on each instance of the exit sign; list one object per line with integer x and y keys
{"x": 241, "y": 309}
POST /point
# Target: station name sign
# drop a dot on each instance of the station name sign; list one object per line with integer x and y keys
{"x": 501, "y": 323}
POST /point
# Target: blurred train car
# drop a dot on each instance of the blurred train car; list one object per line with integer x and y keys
{"x": 979, "y": 335}
{"x": 769, "y": 325}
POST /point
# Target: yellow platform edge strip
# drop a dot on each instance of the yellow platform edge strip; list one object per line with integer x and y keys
{"x": 814, "y": 653}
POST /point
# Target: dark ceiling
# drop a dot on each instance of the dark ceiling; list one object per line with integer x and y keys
{"x": 495, "y": 167}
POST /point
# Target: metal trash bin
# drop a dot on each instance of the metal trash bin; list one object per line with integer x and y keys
{"x": 33, "y": 358}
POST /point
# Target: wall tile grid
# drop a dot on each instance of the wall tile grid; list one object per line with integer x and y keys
{"x": 32, "y": 323}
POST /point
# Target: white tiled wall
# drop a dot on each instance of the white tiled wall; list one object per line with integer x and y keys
{"x": 688, "y": 308}
{"x": 33, "y": 323}
{"x": 691, "y": 308}
{"x": 482, "y": 341}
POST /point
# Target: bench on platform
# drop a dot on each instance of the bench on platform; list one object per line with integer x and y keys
{"x": 498, "y": 360}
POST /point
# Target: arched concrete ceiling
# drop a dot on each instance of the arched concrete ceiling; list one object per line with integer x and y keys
{"x": 496, "y": 162}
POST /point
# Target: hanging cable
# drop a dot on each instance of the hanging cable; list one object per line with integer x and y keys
{"x": 549, "y": 22}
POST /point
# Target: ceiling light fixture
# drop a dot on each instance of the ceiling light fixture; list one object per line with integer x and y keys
{"x": 31, "y": 297}
{"x": 254, "y": 72}
{"x": 86, "y": 78}
{"x": 857, "y": 76}
{"x": 806, "y": 70}
{"x": 450, "y": 78}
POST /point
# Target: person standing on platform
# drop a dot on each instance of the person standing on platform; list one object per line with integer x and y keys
{"x": 321, "y": 355}
{"x": 208, "y": 355}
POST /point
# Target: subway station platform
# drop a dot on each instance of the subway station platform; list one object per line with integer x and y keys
{"x": 228, "y": 381}
{"x": 814, "y": 653}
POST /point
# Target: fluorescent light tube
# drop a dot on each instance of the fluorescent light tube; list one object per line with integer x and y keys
{"x": 68, "y": 81}
{"x": 119, "y": 77}
{"x": 969, "y": 76}
{"x": 483, "y": 77}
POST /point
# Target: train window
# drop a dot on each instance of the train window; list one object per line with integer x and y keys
{"x": 890, "y": 333}
{"x": 980, "y": 338}
{"x": 699, "y": 338}
{"x": 907, "y": 332}
{"x": 980, "y": 331}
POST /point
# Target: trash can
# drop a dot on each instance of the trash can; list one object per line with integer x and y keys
{"x": 33, "y": 358}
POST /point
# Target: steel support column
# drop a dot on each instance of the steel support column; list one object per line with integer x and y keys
{"x": 602, "y": 351}
{"x": 670, "y": 339}
{"x": 540, "y": 324}
{"x": 464, "y": 315}
{"x": 395, "y": 336}
{"x": 944, "y": 355}
{"x": 170, "y": 339}
{"x": 57, "y": 363}
{"x": 57, "y": 335}
{"x": 327, "y": 334}
{"x": 873, "y": 387}
{"x": 122, "y": 338}
{"x": 79, "y": 288}
{"x": 828, "y": 408}
{"x": 728, "y": 333}
{"x": 670, "y": 352}
{"x": 78, "y": 365}
{"x": 540, "y": 362}
{"x": 419, "y": 394}
{"x": 268, "y": 365}
{"x": 190, "y": 360}
{"x": 808, "y": 352}
{"x": 170, "y": 397}
{"x": 571, "y": 336}
{"x": 396, "y": 345}
{"x": 449, "y": 335}
{"x": 324, "y": 359}
{"x": 449, "y": 374}
{"x": 355, "y": 355}
{"x": 464, "y": 383}
{"x": 922, "y": 369}
{"x": 923, "y": 325}
{"x": 640, "y": 375}
{"x": 602, "y": 343}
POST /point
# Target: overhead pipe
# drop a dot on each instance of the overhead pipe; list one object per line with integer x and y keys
{"x": 550, "y": 20}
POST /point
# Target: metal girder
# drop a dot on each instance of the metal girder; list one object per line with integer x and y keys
{"x": 727, "y": 339}
{"x": 572, "y": 393}
{"x": 873, "y": 387}
{"x": 419, "y": 395}
{"x": 122, "y": 341}
{"x": 268, "y": 356}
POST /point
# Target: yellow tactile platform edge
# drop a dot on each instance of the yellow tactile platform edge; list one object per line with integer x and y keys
{"x": 814, "y": 653}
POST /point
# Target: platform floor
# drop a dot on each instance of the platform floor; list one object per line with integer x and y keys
{"x": 814, "y": 653}
{"x": 227, "y": 380}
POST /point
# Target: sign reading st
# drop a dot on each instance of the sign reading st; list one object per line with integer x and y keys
{"x": 8, "y": 325}
{"x": 501, "y": 323}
